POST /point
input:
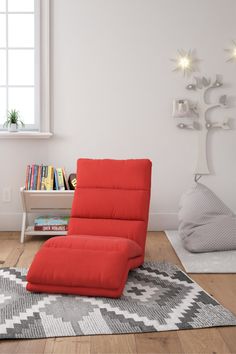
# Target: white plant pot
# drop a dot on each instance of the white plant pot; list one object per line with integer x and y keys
{"x": 12, "y": 128}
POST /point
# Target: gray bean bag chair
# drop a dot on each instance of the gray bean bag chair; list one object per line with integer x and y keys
{"x": 205, "y": 222}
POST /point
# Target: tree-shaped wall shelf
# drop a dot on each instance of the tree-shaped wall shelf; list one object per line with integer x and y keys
{"x": 201, "y": 120}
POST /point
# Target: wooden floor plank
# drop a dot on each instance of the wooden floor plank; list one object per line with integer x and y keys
{"x": 33, "y": 346}
{"x": 212, "y": 340}
{"x": 6, "y": 247}
{"x": 162, "y": 342}
{"x": 115, "y": 344}
{"x": 205, "y": 341}
{"x": 83, "y": 345}
{"x": 65, "y": 345}
{"x": 9, "y": 346}
{"x": 216, "y": 285}
{"x": 13, "y": 257}
{"x": 49, "y": 346}
{"x": 158, "y": 248}
{"x": 9, "y": 235}
{"x": 77, "y": 345}
{"x": 30, "y": 249}
{"x": 229, "y": 336}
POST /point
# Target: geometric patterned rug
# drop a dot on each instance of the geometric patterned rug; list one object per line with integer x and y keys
{"x": 157, "y": 297}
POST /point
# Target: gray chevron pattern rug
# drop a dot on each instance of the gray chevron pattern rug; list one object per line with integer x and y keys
{"x": 157, "y": 297}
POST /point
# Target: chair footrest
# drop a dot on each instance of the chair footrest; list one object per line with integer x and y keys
{"x": 84, "y": 265}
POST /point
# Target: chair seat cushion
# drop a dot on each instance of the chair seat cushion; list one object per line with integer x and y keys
{"x": 69, "y": 264}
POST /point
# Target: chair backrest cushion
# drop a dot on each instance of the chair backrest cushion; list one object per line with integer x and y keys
{"x": 112, "y": 198}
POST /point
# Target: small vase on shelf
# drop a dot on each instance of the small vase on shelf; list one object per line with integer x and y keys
{"x": 13, "y": 128}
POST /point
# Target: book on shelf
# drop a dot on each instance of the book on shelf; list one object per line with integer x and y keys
{"x": 32, "y": 178}
{"x": 43, "y": 178}
{"x": 65, "y": 179}
{"x": 35, "y": 177}
{"x": 27, "y": 177}
{"x": 39, "y": 178}
{"x": 50, "y": 178}
{"x": 51, "y": 228}
{"x": 51, "y": 223}
{"x": 72, "y": 181}
{"x": 56, "y": 179}
{"x": 61, "y": 184}
{"x": 46, "y": 177}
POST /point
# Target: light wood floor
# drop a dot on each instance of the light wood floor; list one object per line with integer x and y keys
{"x": 204, "y": 341}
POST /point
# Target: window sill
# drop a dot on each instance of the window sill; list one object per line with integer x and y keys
{"x": 25, "y": 135}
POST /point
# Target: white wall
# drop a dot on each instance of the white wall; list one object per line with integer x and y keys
{"x": 112, "y": 92}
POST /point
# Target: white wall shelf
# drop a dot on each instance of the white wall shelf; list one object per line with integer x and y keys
{"x": 37, "y": 201}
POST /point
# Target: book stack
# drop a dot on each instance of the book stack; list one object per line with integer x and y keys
{"x": 51, "y": 223}
{"x": 41, "y": 177}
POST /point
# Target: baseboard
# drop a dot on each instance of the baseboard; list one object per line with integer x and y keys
{"x": 157, "y": 221}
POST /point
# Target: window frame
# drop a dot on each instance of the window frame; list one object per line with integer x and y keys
{"x": 42, "y": 69}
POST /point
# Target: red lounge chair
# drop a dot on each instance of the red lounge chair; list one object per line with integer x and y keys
{"x": 107, "y": 232}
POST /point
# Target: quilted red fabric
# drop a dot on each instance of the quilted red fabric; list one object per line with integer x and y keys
{"x": 107, "y": 231}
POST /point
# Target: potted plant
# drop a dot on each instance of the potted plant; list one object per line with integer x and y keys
{"x": 13, "y": 121}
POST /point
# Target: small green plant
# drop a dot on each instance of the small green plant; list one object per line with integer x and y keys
{"x": 13, "y": 117}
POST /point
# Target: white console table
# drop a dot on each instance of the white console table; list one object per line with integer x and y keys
{"x": 37, "y": 201}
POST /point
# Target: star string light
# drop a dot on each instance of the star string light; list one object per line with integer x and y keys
{"x": 185, "y": 62}
{"x": 232, "y": 52}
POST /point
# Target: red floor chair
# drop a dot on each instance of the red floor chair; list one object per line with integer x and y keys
{"x": 107, "y": 232}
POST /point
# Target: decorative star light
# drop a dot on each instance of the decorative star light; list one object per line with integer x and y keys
{"x": 232, "y": 52}
{"x": 186, "y": 62}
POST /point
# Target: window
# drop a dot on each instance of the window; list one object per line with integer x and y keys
{"x": 20, "y": 54}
